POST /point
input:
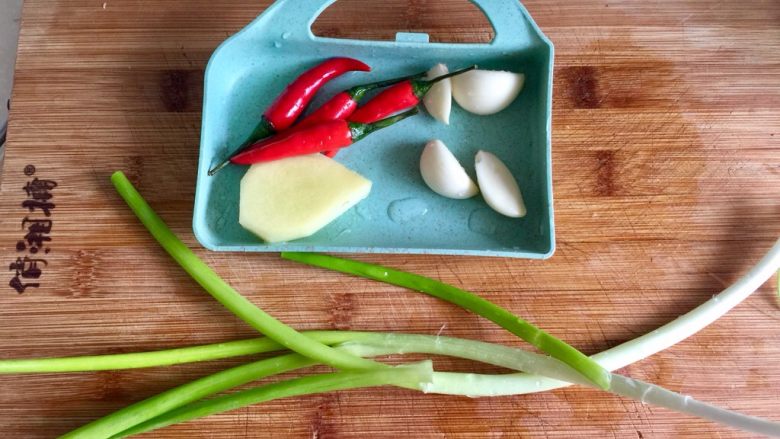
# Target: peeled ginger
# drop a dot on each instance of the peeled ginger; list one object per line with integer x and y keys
{"x": 295, "y": 197}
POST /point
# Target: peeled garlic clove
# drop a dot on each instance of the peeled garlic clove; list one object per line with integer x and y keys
{"x": 443, "y": 173}
{"x": 498, "y": 186}
{"x": 486, "y": 92}
{"x": 438, "y": 100}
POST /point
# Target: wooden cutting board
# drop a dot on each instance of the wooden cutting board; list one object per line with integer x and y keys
{"x": 666, "y": 156}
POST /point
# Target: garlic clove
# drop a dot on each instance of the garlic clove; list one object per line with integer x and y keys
{"x": 442, "y": 172}
{"x": 498, "y": 186}
{"x": 438, "y": 100}
{"x": 486, "y": 92}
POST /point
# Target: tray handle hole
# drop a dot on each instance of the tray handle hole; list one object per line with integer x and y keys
{"x": 443, "y": 21}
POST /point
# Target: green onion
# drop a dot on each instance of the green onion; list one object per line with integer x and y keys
{"x": 614, "y": 358}
{"x": 408, "y": 376}
{"x": 140, "y": 359}
{"x": 673, "y": 332}
{"x": 694, "y": 320}
{"x": 632, "y": 351}
{"x": 473, "y": 385}
{"x": 178, "y": 396}
{"x": 225, "y": 294}
{"x": 167, "y": 357}
{"x": 504, "y": 318}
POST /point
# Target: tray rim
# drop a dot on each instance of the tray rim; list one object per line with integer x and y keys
{"x": 292, "y": 246}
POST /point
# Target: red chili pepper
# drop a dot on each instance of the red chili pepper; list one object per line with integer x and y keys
{"x": 338, "y": 107}
{"x": 293, "y": 100}
{"x": 399, "y": 97}
{"x": 343, "y": 104}
{"x": 283, "y": 112}
{"x": 319, "y": 137}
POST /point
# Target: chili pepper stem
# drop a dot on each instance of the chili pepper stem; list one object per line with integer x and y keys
{"x": 261, "y": 131}
{"x": 451, "y": 74}
{"x": 421, "y": 86}
{"x": 219, "y": 167}
{"x": 360, "y": 130}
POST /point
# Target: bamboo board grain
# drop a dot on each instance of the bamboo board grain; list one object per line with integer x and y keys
{"x": 666, "y": 158}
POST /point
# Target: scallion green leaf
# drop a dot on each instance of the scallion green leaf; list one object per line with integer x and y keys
{"x": 224, "y": 293}
{"x": 407, "y": 376}
{"x": 547, "y": 343}
{"x": 149, "y": 408}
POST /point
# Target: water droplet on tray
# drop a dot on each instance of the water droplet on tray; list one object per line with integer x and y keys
{"x": 407, "y": 209}
{"x": 285, "y": 35}
{"x": 364, "y": 212}
{"x": 277, "y": 44}
{"x": 482, "y": 221}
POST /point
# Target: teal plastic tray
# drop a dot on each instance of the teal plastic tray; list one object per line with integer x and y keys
{"x": 401, "y": 215}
